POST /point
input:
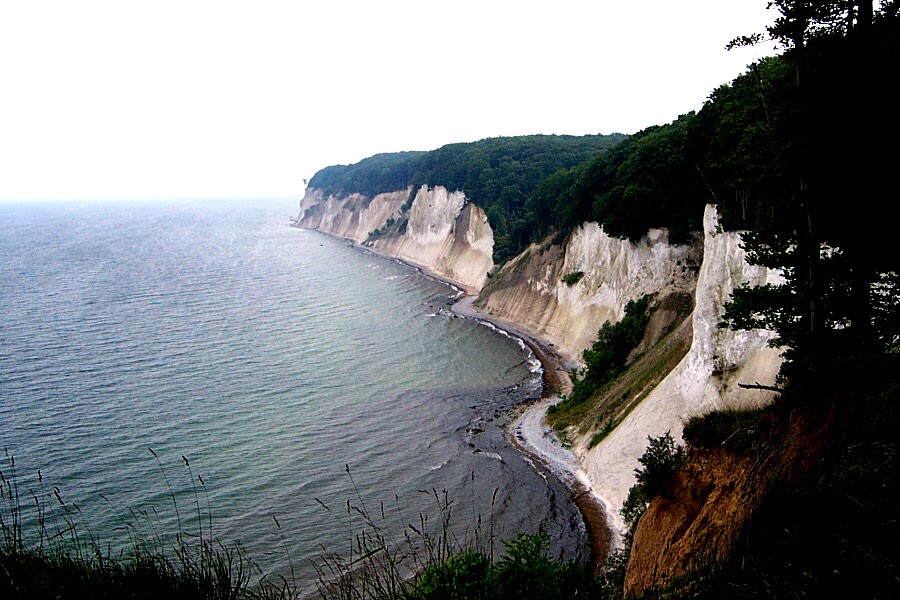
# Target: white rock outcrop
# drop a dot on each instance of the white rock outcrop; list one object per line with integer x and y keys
{"x": 447, "y": 236}
{"x": 354, "y": 216}
{"x": 530, "y": 291}
{"x": 705, "y": 379}
{"x": 444, "y": 233}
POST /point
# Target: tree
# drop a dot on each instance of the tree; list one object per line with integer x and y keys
{"x": 830, "y": 249}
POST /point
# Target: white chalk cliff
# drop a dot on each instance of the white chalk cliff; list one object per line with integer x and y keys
{"x": 444, "y": 233}
{"x": 530, "y": 291}
{"x": 452, "y": 238}
{"x": 354, "y": 216}
{"x": 705, "y": 379}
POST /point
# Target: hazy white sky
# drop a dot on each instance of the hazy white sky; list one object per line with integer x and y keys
{"x": 189, "y": 99}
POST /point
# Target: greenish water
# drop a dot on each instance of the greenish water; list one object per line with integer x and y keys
{"x": 272, "y": 358}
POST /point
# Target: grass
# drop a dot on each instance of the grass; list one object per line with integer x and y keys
{"x": 46, "y": 553}
{"x": 733, "y": 426}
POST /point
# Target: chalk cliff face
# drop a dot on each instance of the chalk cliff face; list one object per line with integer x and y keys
{"x": 705, "y": 379}
{"x": 452, "y": 238}
{"x": 444, "y": 234}
{"x": 354, "y": 217}
{"x": 530, "y": 291}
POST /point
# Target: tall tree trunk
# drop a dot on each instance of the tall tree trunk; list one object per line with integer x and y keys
{"x": 865, "y": 13}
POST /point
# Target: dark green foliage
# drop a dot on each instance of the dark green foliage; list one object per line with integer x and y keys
{"x": 650, "y": 180}
{"x": 572, "y": 278}
{"x": 371, "y": 176}
{"x": 745, "y": 141}
{"x": 204, "y": 572}
{"x": 734, "y": 426}
{"x": 656, "y": 184}
{"x": 527, "y": 572}
{"x": 606, "y": 357}
{"x": 635, "y": 505}
{"x": 461, "y": 577}
{"x": 823, "y": 326}
{"x": 524, "y": 572}
{"x": 658, "y": 463}
{"x": 815, "y": 207}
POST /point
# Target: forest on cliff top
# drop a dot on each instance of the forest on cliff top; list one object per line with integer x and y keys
{"x": 800, "y": 123}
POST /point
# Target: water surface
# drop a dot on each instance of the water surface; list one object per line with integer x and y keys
{"x": 273, "y": 359}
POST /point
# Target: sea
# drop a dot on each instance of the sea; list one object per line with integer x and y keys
{"x": 203, "y": 368}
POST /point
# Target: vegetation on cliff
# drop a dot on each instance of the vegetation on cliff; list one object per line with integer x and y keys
{"x": 799, "y": 500}
{"x": 606, "y": 357}
{"x": 646, "y": 345}
{"x": 497, "y": 174}
{"x": 371, "y": 176}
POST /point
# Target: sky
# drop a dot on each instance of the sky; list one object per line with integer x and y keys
{"x": 197, "y": 99}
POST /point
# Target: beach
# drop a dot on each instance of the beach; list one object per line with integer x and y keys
{"x": 530, "y": 433}
{"x": 527, "y": 429}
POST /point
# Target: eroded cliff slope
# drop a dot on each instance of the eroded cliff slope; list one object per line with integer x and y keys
{"x": 354, "y": 216}
{"x": 704, "y": 380}
{"x": 530, "y": 290}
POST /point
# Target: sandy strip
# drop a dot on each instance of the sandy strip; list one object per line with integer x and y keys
{"x": 530, "y": 433}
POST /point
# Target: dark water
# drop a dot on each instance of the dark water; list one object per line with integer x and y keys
{"x": 273, "y": 359}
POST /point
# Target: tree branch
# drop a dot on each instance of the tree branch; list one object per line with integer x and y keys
{"x": 759, "y": 386}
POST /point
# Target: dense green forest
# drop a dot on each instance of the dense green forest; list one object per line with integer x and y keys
{"x": 371, "y": 176}
{"x": 497, "y": 174}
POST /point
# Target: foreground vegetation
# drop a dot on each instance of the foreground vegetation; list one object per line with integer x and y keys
{"x": 46, "y": 554}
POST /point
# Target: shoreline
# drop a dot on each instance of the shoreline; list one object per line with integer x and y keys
{"x": 593, "y": 511}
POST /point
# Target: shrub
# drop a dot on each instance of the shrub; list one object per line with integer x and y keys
{"x": 526, "y": 571}
{"x": 635, "y": 505}
{"x": 732, "y": 425}
{"x": 461, "y": 577}
{"x": 607, "y": 356}
{"x": 572, "y": 278}
{"x": 659, "y": 461}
